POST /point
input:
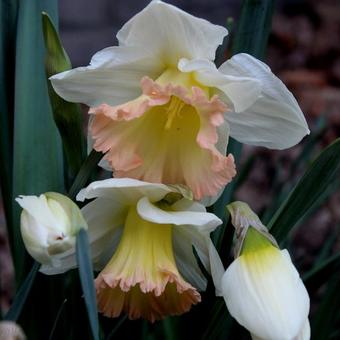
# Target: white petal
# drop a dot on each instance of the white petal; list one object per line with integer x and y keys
{"x": 124, "y": 190}
{"x": 198, "y": 239}
{"x": 266, "y": 295}
{"x": 305, "y": 332}
{"x": 241, "y": 90}
{"x": 38, "y": 208}
{"x": 186, "y": 261}
{"x": 206, "y": 252}
{"x": 172, "y": 33}
{"x": 60, "y": 264}
{"x": 275, "y": 119}
{"x": 35, "y": 238}
{"x": 202, "y": 220}
{"x": 303, "y": 335}
{"x": 113, "y": 77}
{"x": 104, "y": 217}
{"x": 216, "y": 267}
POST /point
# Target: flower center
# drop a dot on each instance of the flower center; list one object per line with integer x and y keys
{"x": 142, "y": 278}
{"x": 174, "y": 109}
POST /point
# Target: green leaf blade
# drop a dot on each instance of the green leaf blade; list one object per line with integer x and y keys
{"x": 37, "y": 153}
{"x": 311, "y": 190}
{"x": 87, "y": 280}
{"x": 67, "y": 116}
{"x": 22, "y": 294}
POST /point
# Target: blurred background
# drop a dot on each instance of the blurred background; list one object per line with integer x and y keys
{"x": 304, "y": 51}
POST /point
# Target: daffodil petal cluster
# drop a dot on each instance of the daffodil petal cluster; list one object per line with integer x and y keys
{"x": 163, "y": 112}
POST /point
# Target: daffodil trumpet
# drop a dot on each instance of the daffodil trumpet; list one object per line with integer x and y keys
{"x": 161, "y": 110}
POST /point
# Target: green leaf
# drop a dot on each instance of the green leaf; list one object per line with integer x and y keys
{"x": 321, "y": 273}
{"x": 253, "y": 28}
{"x": 313, "y": 188}
{"x": 22, "y": 294}
{"x": 37, "y": 157}
{"x": 57, "y": 319}
{"x": 220, "y": 322}
{"x": 323, "y": 323}
{"x": 170, "y": 329}
{"x": 85, "y": 172}
{"x": 116, "y": 327}
{"x": 67, "y": 116}
{"x": 87, "y": 280}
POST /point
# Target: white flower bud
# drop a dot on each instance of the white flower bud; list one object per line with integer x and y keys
{"x": 49, "y": 225}
{"x": 262, "y": 289}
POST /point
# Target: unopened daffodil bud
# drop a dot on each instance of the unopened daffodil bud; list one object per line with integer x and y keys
{"x": 262, "y": 289}
{"x": 49, "y": 225}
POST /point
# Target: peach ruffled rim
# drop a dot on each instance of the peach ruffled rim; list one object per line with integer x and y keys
{"x": 212, "y": 169}
{"x": 139, "y": 300}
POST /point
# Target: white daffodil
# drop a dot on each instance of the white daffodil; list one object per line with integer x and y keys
{"x": 141, "y": 237}
{"x": 162, "y": 111}
{"x": 49, "y": 225}
{"x": 262, "y": 289}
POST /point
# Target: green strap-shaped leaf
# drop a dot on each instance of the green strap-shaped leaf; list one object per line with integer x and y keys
{"x": 37, "y": 158}
{"x": 324, "y": 322}
{"x": 116, "y": 327}
{"x": 22, "y": 294}
{"x": 322, "y": 272}
{"x": 254, "y": 27}
{"x": 87, "y": 280}
{"x": 67, "y": 115}
{"x": 313, "y": 188}
{"x": 85, "y": 172}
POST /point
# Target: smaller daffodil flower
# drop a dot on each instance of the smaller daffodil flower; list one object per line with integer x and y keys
{"x": 142, "y": 237}
{"x": 163, "y": 112}
{"x": 49, "y": 226}
{"x": 262, "y": 289}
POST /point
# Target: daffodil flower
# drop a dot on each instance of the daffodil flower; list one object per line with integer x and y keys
{"x": 262, "y": 289}
{"x": 162, "y": 111}
{"x": 142, "y": 237}
{"x": 49, "y": 226}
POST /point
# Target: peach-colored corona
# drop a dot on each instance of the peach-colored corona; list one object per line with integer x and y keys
{"x": 167, "y": 135}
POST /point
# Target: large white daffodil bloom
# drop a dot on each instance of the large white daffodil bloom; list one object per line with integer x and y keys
{"x": 162, "y": 111}
{"x": 49, "y": 225}
{"x": 262, "y": 289}
{"x": 142, "y": 237}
